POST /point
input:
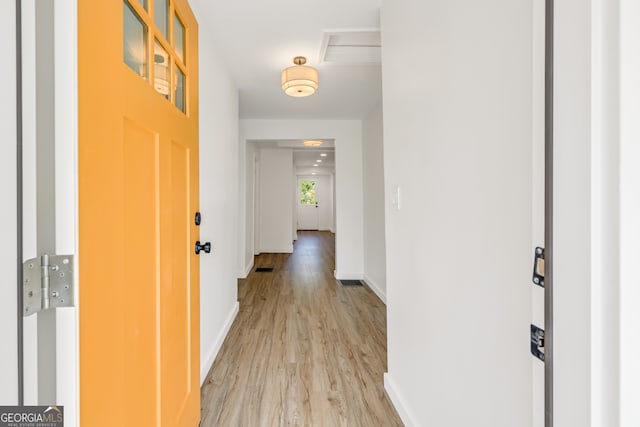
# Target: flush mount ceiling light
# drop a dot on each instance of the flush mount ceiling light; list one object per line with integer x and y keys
{"x": 310, "y": 143}
{"x": 299, "y": 80}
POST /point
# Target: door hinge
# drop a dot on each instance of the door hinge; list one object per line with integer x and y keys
{"x": 47, "y": 282}
{"x": 537, "y": 342}
{"x": 538, "y": 267}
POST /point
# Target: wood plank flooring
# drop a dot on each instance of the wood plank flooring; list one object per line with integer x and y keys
{"x": 303, "y": 351}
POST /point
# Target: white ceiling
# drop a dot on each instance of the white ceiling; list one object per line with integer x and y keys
{"x": 307, "y": 158}
{"x": 304, "y": 157}
{"x": 257, "y": 39}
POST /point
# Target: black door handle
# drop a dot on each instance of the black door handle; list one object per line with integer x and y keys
{"x": 206, "y": 247}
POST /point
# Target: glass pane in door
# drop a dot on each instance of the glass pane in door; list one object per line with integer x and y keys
{"x": 307, "y": 193}
{"x": 135, "y": 42}
{"x": 179, "y": 93}
{"x": 161, "y": 69}
{"x": 178, "y": 37}
{"x": 161, "y": 16}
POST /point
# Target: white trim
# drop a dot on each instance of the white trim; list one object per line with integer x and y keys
{"x": 348, "y": 276}
{"x": 398, "y": 401}
{"x": 247, "y": 270}
{"x": 376, "y": 289}
{"x": 8, "y": 212}
{"x": 66, "y": 204}
{"x": 205, "y": 365}
{"x": 288, "y": 250}
{"x": 629, "y": 210}
{"x": 29, "y": 190}
{"x": 67, "y": 364}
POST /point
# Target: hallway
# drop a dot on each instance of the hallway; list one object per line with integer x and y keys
{"x": 303, "y": 350}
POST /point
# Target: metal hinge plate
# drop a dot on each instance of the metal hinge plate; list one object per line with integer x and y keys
{"x": 537, "y": 342}
{"x": 47, "y": 283}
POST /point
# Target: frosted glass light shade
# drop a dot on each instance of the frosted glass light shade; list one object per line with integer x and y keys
{"x": 299, "y": 80}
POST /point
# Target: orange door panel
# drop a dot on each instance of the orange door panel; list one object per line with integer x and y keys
{"x": 138, "y": 178}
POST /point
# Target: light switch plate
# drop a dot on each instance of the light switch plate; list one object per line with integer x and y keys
{"x": 396, "y": 198}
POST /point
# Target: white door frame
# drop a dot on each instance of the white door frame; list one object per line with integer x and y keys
{"x": 66, "y": 175}
{"x": 10, "y": 315}
{"x": 629, "y": 294}
{"x": 299, "y": 178}
{"x": 549, "y": 213}
{"x": 538, "y": 202}
{"x": 66, "y": 185}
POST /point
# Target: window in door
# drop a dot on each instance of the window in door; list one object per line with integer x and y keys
{"x": 307, "y": 193}
{"x": 161, "y": 37}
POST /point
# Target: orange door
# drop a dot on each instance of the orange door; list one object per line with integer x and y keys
{"x": 138, "y": 193}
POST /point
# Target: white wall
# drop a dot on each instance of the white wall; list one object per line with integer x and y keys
{"x": 375, "y": 272}
{"x": 8, "y": 257}
{"x": 538, "y": 198}
{"x": 348, "y": 138}
{"x": 276, "y": 200}
{"x": 457, "y": 142}
{"x": 249, "y": 166}
{"x": 218, "y": 197}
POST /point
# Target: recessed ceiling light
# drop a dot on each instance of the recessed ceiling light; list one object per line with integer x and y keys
{"x": 315, "y": 165}
{"x": 313, "y": 173}
{"x": 319, "y": 161}
{"x": 323, "y": 154}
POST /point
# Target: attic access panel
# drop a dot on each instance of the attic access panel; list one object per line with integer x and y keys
{"x": 352, "y": 47}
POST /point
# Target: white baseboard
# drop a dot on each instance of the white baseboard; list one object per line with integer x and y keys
{"x": 398, "y": 402}
{"x": 247, "y": 270}
{"x": 376, "y": 289}
{"x": 288, "y": 250}
{"x": 348, "y": 276}
{"x": 205, "y": 365}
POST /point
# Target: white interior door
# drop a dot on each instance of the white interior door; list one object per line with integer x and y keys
{"x": 308, "y": 204}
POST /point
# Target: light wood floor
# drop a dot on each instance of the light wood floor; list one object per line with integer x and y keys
{"x": 303, "y": 351}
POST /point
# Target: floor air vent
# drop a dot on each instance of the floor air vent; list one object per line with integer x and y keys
{"x": 264, "y": 270}
{"x": 344, "y": 283}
